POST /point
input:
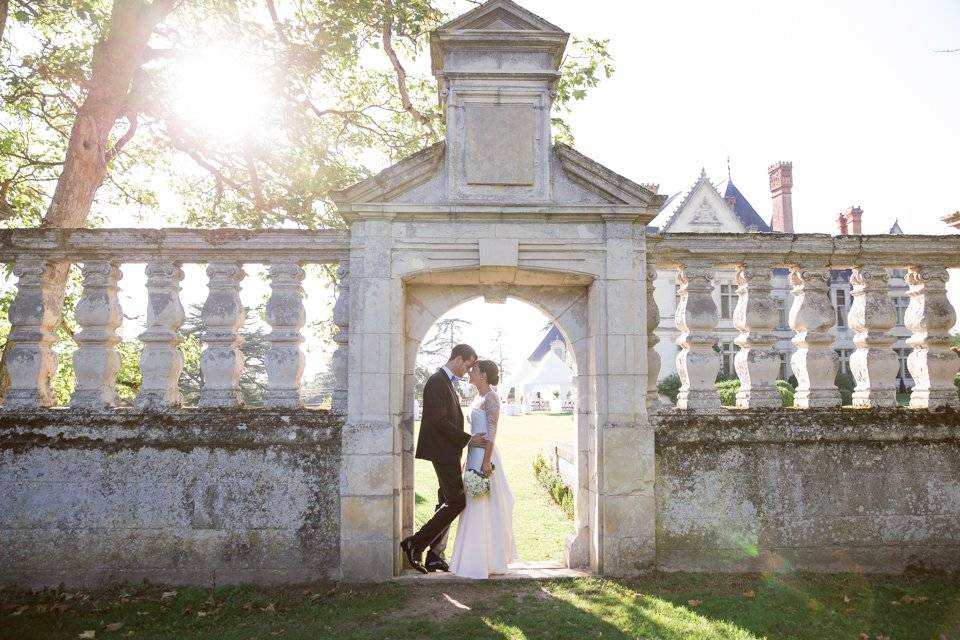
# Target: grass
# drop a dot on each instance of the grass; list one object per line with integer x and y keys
{"x": 539, "y": 525}
{"x": 663, "y": 606}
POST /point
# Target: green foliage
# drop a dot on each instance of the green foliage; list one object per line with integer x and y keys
{"x": 333, "y": 107}
{"x": 846, "y": 383}
{"x": 553, "y": 483}
{"x": 727, "y": 390}
{"x": 669, "y": 386}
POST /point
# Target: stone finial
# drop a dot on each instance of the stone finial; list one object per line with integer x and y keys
{"x": 33, "y": 316}
{"x": 286, "y": 315}
{"x": 755, "y": 316}
{"x": 161, "y": 361}
{"x": 222, "y": 362}
{"x": 696, "y": 318}
{"x": 929, "y": 317}
{"x": 96, "y": 361}
{"x": 874, "y": 363}
{"x": 781, "y": 190}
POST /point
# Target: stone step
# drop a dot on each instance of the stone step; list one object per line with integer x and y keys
{"x": 539, "y": 570}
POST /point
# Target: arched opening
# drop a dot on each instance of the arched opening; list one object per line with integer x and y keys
{"x": 538, "y": 335}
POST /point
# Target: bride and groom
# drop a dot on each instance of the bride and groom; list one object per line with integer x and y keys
{"x": 484, "y": 544}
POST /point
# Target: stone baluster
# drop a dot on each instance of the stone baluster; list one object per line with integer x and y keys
{"x": 161, "y": 361}
{"x": 341, "y": 317}
{"x": 874, "y": 363}
{"x": 653, "y": 358}
{"x": 96, "y": 361}
{"x": 286, "y": 315}
{"x": 929, "y": 317}
{"x": 33, "y": 316}
{"x": 221, "y": 362}
{"x": 755, "y": 316}
{"x": 696, "y": 318}
{"x": 814, "y": 362}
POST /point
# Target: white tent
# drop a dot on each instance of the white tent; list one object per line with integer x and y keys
{"x": 550, "y": 375}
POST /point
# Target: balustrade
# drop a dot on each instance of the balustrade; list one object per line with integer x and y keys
{"x": 38, "y": 254}
{"x": 814, "y": 264}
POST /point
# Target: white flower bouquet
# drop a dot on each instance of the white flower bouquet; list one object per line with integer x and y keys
{"x": 475, "y": 483}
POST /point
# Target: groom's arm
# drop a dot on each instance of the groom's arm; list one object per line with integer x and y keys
{"x": 442, "y": 422}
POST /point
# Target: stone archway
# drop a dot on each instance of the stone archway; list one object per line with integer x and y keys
{"x": 563, "y": 299}
{"x": 493, "y": 209}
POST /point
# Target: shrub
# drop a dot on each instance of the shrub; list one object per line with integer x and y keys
{"x": 669, "y": 386}
{"x": 553, "y": 483}
{"x": 845, "y": 383}
{"x": 727, "y": 390}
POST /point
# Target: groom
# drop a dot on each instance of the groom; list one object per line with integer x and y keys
{"x": 442, "y": 438}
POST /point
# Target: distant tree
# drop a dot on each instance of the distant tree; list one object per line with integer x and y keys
{"x": 447, "y": 334}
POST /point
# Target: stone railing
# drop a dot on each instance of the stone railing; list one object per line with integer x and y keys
{"x": 809, "y": 259}
{"x": 38, "y": 255}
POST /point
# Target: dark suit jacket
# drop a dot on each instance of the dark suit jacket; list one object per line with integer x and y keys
{"x": 442, "y": 437}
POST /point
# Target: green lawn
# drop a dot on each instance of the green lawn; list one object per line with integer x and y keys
{"x": 666, "y": 607}
{"x": 539, "y": 525}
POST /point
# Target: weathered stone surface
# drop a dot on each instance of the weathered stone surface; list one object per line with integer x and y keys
{"x": 198, "y": 496}
{"x": 820, "y": 490}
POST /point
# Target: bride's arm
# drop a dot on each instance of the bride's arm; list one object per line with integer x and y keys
{"x": 491, "y": 407}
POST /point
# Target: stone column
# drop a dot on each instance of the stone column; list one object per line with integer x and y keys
{"x": 96, "y": 361}
{"x": 625, "y": 521}
{"x": 874, "y": 363}
{"x": 341, "y": 318}
{"x": 814, "y": 362}
{"x": 371, "y": 471}
{"x": 33, "y": 316}
{"x": 653, "y": 358}
{"x": 696, "y": 318}
{"x": 756, "y": 316}
{"x": 161, "y": 361}
{"x": 929, "y": 317}
{"x": 222, "y": 314}
{"x": 286, "y": 315}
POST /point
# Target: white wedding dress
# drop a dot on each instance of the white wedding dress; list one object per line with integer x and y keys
{"x": 485, "y": 543}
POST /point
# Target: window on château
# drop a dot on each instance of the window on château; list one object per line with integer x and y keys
{"x": 728, "y": 301}
{"x": 844, "y": 360}
{"x": 782, "y": 318}
{"x": 840, "y": 302}
{"x": 901, "y": 303}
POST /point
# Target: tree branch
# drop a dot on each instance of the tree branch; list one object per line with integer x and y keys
{"x": 401, "y": 72}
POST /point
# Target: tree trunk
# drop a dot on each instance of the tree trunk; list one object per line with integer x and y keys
{"x": 116, "y": 60}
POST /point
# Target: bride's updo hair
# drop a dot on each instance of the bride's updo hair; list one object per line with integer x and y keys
{"x": 489, "y": 368}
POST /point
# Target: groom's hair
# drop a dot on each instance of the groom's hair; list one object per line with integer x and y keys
{"x": 464, "y": 351}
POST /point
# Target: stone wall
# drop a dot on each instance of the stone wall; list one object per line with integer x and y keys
{"x": 818, "y": 490}
{"x": 192, "y": 497}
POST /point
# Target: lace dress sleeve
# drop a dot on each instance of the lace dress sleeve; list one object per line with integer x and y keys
{"x": 491, "y": 407}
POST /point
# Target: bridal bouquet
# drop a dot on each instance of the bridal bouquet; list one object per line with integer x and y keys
{"x": 475, "y": 483}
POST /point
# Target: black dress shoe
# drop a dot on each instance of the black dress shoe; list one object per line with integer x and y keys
{"x": 412, "y": 555}
{"x": 436, "y": 564}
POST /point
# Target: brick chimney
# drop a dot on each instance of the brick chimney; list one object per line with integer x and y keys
{"x": 853, "y": 216}
{"x": 781, "y": 188}
{"x": 841, "y": 225}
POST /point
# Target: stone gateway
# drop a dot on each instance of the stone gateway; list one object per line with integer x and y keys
{"x": 93, "y": 494}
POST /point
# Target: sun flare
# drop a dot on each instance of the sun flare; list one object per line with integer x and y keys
{"x": 221, "y": 94}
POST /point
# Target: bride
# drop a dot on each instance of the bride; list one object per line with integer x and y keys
{"x": 484, "y": 542}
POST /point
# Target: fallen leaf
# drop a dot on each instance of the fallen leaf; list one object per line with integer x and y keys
{"x": 914, "y": 599}
{"x": 61, "y": 608}
{"x": 114, "y": 626}
{"x": 863, "y": 636}
{"x": 694, "y": 603}
{"x": 143, "y": 613}
{"x": 316, "y": 596}
{"x": 750, "y": 594}
{"x": 20, "y": 609}
{"x": 269, "y": 608}
{"x": 202, "y": 614}
{"x": 278, "y": 633}
{"x": 846, "y": 599}
{"x": 895, "y": 603}
{"x": 166, "y": 595}
{"x": 89, "y": 634}
{"x": 247, "y": 606}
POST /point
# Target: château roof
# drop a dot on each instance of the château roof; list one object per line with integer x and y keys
{"x": 744, "y": 210}
{"x": 741, "y": 208}
{"x": 544, "y": 347}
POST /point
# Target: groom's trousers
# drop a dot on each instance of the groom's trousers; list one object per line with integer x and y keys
{"x": 451, "y": 499}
